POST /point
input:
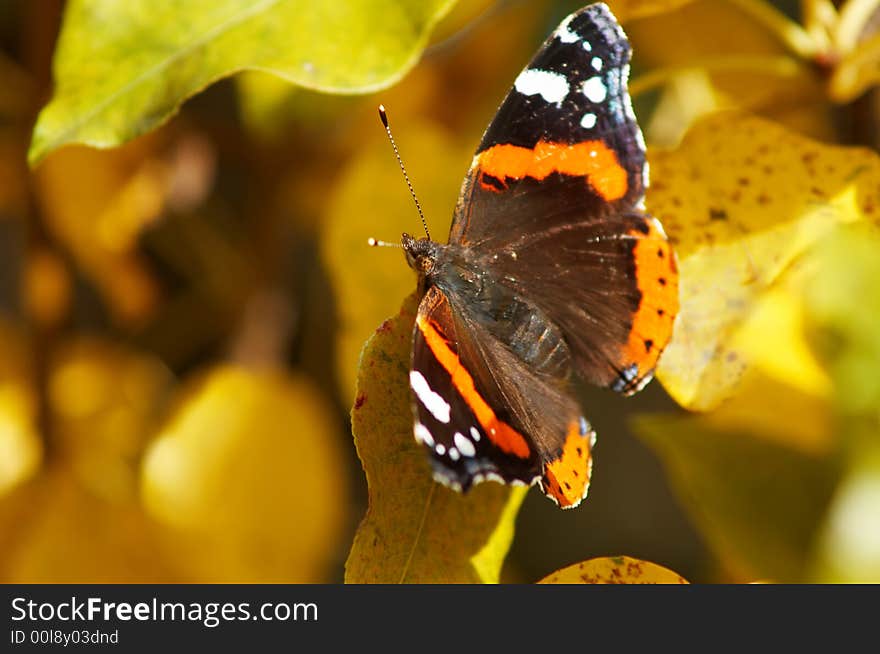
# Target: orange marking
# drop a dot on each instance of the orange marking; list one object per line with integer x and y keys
{"x": 499, "y": 432}
{"x": 657, "y": 279}
{"x": 567, "y": 478}
{"x": 590, "y": 159}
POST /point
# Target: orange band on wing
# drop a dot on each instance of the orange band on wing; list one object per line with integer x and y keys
{"x": 567, "y": 478}
{"x": 591, "y": 159}
{"x": 499, "y": 432}
{"x": 657, "y": 279}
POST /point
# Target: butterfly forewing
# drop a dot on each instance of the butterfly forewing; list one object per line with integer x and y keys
{"x": 554, "y": 195}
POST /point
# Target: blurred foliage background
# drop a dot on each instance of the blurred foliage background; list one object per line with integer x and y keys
{"x": 183, "y": 310}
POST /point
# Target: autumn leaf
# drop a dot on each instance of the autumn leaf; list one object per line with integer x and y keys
{"x": 247, "y": 478}
{"x": 77, "y": 518}
{"x": 54, "y": 529}
{"x": 614, "y": 570}
{"x": 742, "y": 200}
{"x": 123, "y": 68}
{"x": 755, "y": 500}
{"x": 711, "y": 55}
{"x": 416, "y": 530}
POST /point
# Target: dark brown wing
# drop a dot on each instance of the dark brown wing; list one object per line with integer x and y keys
{"x": 484, "y": 414}
{"x": 553, "y": 201}
{"x": 566, "y": 123}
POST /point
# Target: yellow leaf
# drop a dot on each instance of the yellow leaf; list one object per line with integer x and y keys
{"x": 52, "y": 530}
{"x": 416, "y": 530}
{"x": 752, "y": 57}
{"x": 249, "y": 478}
{"x": 614, "y": 570}
{"x": 105, "y": 401}
{"x": 742, "y": 200}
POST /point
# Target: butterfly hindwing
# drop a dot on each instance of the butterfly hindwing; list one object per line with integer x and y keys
{"x": 484, "y": 415}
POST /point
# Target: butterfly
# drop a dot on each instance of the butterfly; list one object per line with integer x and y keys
{"x": 552, "y": 270}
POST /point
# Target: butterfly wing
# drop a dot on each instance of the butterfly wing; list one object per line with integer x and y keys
{"x": 484, "y": 414}
{"x": 554, "y": 197}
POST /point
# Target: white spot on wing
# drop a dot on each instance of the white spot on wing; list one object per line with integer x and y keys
{"x": 564, "y": 34}
{"x": 586, "y": 45}
{"x": 553, "y": 87}
{"x": 433, "y": 402}
{"x": 475, "y": 434}
{"x": 594, "y": 89}
{"x": 453, "y": 454}
{"x": 463, "y": 444}
{"x": 596, "y": 63}
{"x": 440, "y": 449}
{"x": 423, "y": 434}
{"x": 588, "y": 121}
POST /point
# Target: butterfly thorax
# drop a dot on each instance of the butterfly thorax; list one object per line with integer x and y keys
{"x": 470, "y": 284}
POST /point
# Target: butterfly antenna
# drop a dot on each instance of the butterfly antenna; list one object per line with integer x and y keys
{"x": 384, "y": 117}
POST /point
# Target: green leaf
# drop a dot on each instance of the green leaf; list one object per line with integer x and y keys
{"x": 843, "y": 302}
{"x": 123, "y": 68}
{"x": 416, "y": 530}
{"x": 756, "y": 501}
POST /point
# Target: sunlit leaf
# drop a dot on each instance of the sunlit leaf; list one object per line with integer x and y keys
{"x": 105, "y": 401}
{"x": 754, "y": 500}
{"x": 249, "y": 479}
{"x": 842, "y": 306}
{"x": 123, "y": 68}
{"x": 54, "y": 530}
{"x": 745, "y": 61}
{"x": 371, "y": 199}
{"x": 416, "y": 530}
{"x": 79, "y": 519}
{"x": 742, "y": 200}
{"x": 843, "y": 302}
{"x": 614, "y": 570}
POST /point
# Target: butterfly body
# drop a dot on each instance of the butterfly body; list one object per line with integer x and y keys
{"x": 552, "y": 270}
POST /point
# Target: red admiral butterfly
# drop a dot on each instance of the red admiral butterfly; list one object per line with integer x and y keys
{"x": 552, "y": 268}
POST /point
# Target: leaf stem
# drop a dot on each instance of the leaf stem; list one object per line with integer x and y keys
{"x": 418, "y": 533}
